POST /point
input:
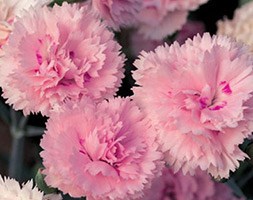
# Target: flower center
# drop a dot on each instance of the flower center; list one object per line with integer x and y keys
{"x": 47, "y": 58}
{"x": 216, "y": 103}
{"x": 206, "y": 99}
{"x": 111, "y": 151}
{"x": 114, "y": 154}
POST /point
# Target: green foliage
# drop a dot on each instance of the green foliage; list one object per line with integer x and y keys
{"x": 40, "y": 182}
{"x": 241, "y": 2}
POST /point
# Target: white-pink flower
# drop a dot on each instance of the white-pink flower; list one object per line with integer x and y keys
{"x": 58, "y": 54}
{"x": 177, "y": 186}
{"x": 183, "y": 5}
{"x": 240, "y": 27}
{"x": 10, "y": 190}
{"x": 117, "y": 13}
{"x": 106, "y": 151}
{"x": 9, "y": 10}
{"x": 159, "y": 18}
{"x": 199, "y": 97}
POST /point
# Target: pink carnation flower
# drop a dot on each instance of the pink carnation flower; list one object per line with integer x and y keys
{"x": 117, "y": 13}
{"x": 177, "y": 186}
{"x": 199, "y": 97}
{"x": 59, "y": 54}
{"x": 9, "y": 10}
{"x": 159, "y": 18}
{"x": 11, "y": 190}
{"x": 105, "y": 151}
{"x": 155, "y": 23}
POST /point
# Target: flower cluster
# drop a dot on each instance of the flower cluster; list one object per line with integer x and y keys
{"x": 192, "y": 104}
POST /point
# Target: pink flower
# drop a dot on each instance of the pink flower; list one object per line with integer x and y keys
{"x": 104, "y": 151}
{"x": 9, "y": 10}
{"x": 177, "y": 186}
{"x": 117, "y": 13}
{"x": 157, "y": 23}
{"x": 59, "y": 54}
{"x": 11, "y": 190}
{"x": 199, "y": 97}
{"x": 159, "y": 18}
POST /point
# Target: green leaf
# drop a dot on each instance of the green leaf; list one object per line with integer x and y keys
{"x": 40, "y": 182}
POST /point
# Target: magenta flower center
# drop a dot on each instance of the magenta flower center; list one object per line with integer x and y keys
{"x": 206, "y": 105}
{"x": 215, "y": 103}
{"x": 206, "y": 99}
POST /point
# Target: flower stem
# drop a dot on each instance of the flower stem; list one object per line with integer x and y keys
{"x": 16, "y": 160}
{"x": 237, "y": 190}
{"x": 17, "y": 129}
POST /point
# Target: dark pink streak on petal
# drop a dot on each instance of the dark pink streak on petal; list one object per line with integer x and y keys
{"x": 226, "y": 89}
{"x": 219, "y": 106}
{"x": 39, "y": 57}
{"x": 203, "y": 102}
